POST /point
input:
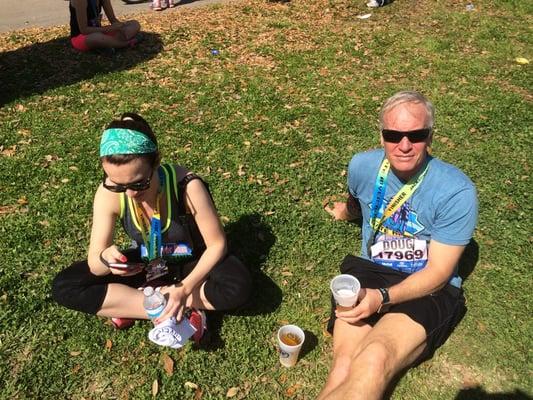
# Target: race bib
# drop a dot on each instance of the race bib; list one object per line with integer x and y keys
{"x": 403, "y": 254}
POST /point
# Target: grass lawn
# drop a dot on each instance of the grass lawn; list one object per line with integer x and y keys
{"x": 271, "y": 123}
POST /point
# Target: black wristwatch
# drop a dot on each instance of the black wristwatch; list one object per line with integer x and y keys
{"x": 386, "y": 300}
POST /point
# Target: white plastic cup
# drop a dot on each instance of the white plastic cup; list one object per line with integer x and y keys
{"x": 290, "y": 340}
{"x": 345, "y": 289}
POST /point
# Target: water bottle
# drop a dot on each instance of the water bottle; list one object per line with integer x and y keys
{"x": 154, "y": 302}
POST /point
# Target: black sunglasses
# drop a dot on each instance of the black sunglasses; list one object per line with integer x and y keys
{"x": 136, "y": 186}
{"x": 417, "y": 136}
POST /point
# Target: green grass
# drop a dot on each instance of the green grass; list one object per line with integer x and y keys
{"x": 294, "y": 92}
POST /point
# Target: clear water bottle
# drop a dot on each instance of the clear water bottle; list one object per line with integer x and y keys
{"x": 154, "y": 302}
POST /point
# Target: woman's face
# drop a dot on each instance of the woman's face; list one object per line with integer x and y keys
{"x": 137, "y": 171}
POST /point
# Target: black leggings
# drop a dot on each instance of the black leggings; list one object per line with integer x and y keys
{"x": 227, "y": 287}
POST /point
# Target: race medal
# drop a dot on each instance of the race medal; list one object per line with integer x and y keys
{"x": 400, "y": 253}
{"x": 152, "y": 238}
{"x": 155, "y": 269}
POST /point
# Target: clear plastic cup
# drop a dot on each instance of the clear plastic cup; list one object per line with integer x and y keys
{"x": 345, "y": 289}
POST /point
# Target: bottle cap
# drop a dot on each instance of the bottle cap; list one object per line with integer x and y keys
{"x": 148, "y": 291}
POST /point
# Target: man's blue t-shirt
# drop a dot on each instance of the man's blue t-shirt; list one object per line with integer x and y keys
{"x": 443, "y": 208}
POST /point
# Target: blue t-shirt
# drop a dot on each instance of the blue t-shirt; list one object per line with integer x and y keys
{"x": 443, "y": 208}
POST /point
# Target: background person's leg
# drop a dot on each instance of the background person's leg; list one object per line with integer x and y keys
{"x": 102, "y": 41}
{"x": 130, "y": 29}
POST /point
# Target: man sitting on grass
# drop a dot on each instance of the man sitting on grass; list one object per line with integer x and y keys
{"x": 418, "y": 214}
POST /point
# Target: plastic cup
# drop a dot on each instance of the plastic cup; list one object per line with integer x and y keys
{"x": 345, "y": 289}
{"x": 290, "y": 340}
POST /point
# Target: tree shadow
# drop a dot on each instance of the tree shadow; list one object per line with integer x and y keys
{"x": 477, "y": 393}
{"x": 250, "y": 239}
{"x": 39, "y": 67}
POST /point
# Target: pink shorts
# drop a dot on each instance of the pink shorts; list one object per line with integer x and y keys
{"x": 80, "y": 42}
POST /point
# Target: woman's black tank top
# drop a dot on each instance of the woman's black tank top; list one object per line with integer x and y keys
{"x": 179, "y": 226}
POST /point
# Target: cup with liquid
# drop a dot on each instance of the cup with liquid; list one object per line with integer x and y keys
{"x": 345, "y": 289}
{"x": 290, "y": 340}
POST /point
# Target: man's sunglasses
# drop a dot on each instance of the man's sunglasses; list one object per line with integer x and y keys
{"x": 417, "y": 136}
{"x": 136, "y": 186}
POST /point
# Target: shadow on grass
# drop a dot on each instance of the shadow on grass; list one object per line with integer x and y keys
{"x": 39, "y": 67}
{"x": 468, "y": 259}
{"x": 250, "y": 239}
{"x": 478, "y": 393}
{"x": 311, "y": 341}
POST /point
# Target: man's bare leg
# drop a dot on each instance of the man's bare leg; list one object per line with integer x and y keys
{"x": 391, "y": 345}
{"x": 346, "y": 340}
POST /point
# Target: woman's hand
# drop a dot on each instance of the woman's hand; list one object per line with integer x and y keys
{"x": 113, "y": 255}
{"x": 176, "y": 301}
{"x": 369, "y": 303}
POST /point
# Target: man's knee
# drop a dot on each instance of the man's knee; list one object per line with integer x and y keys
{"x": 376, "y": 358}
{"x": 341, "y": 366}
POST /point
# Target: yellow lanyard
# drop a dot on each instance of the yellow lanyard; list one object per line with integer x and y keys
{"x": 396, "y": 202}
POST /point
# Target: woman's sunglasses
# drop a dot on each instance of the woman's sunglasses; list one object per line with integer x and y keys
{"x": 136, "y": 186}
{"x": 417, "y": 136}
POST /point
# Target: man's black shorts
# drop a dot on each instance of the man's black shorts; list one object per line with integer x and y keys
{"x": 439, "y": 313}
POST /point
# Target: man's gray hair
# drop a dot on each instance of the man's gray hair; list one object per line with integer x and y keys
{"x": 408, "y": 96}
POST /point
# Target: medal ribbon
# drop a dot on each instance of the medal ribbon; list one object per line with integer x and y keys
{"x": 151, "y": 227}
{"x": 397, "y": 201}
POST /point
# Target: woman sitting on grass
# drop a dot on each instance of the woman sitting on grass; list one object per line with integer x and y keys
{"x": 169, "y": 214}
{"x": 87, "y": 32}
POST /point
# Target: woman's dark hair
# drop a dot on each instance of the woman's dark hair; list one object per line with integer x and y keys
{"x": 139, "y": 124}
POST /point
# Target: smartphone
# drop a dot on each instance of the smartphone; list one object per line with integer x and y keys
{"x": 127, "y": 265}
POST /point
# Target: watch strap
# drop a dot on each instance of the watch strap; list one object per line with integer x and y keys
{"x": 385, "y": 293}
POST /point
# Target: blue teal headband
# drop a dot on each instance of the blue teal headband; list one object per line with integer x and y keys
{"x": 125, "y": 141}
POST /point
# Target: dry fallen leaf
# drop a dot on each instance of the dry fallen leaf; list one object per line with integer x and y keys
{"x": 292, "y": 390}
{"x": 232, "y": 391}
{"x": 7, "y": 209}
{"x": 190, "y": 385}
{"x": 108, "y": 344}
{"x": 155, "y": 388}
{"x": 75, "y": 353}
{"x": 168, "y": 364}
{"x": 10, "y": 152}
{"x": 23, "y": 200}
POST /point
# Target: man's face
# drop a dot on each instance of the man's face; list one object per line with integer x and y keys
{"x": 405, "y": 157}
